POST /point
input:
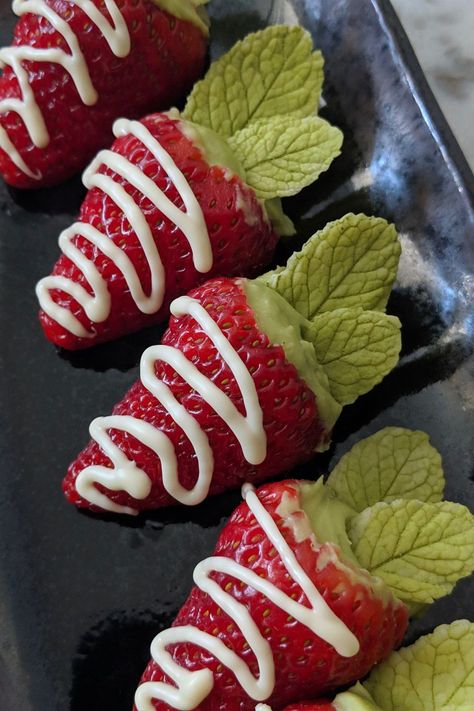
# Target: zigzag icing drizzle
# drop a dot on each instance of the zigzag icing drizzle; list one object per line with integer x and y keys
{"x": 190, "y": 221}
{"x": 115, "y": 33}
{"x": 189, "y": 688}
{"x": 125, "y": 475}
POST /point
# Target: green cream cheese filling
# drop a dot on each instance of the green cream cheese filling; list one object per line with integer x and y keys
{"x": 328, "y": 516}
{"x": 282, "y": 224}
{"x": 188, "y": 10}
{"x": 217, "y": 151}
{"x": 213, "y": 147}
{"x": 283, "y": 325}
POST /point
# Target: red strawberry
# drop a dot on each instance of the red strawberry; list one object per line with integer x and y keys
{"x": 269, "y": 549}
{"x": 292, "y": 426}
{"x": 156, "y": 59}
{"x": 241, "y": 239}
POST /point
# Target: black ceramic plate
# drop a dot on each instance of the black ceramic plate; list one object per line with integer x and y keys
{"x": 81, "y": 597}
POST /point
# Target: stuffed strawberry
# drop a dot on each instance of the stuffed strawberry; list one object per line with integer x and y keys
{"x": 181, "y": 198}
{"x": 76, "y": 65}
{"x": 433, "y": 674}
{"x": 250, "y": 376}
{"x": 305, "y": 592}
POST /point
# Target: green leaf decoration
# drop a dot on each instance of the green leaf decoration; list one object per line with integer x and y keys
{"x": 419, "y": 549}
{"x": 436, "y": 673}
{"x": 268, "y": 73}
{"x": 356, "y": 699}
{"x": 352, "y": 262}
{"x": 352, "y": 701}
{"x": 356, "y": 349}
{"x": 281, "y": 155}
{"x": 394, "y": 463}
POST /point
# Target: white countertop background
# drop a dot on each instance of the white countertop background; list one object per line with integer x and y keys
{"x": 442, "y": 35}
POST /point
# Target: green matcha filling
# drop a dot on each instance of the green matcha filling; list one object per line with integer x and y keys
{"x": 188, "y": 10}
{"x": 283, "y": 325}
{"x": 217, "y": 151}
{"x": 213, "y": 147}
{"x": 328, "y": 516}
{"x": 282, "y": 224}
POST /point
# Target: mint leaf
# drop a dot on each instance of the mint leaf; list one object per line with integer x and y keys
{"x": 351, "y": 262}
{"x": 394, "y": 463}
{"x": 281, "y": 155}
{"x": 356, "y": 349}
{"x": 356, "y": 699}
{"x": 419, "y": 549}
{"x": 268, "y": 73}
{"x": 436, "y": 673}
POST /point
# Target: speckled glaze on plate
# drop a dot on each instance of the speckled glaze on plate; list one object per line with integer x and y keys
{"x": 81, "y": 596}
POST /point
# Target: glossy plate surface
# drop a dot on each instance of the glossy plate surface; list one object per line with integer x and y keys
{"x": 80, "y": 596}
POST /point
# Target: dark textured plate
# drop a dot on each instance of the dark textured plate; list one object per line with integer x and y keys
{"x": 81, "y": 597}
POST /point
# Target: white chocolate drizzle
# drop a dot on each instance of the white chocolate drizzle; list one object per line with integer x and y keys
{"x": 117, "y": 37}
{"x": 190, "y": 688}
{"x": 126, "y": 476}
{"x": 190, "y": 221}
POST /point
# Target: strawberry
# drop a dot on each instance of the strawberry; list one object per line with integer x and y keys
{"x": 236, "y": 391}
{"x": 304, "y": 597}
{"x": 239, "y": 245}
{"x": 73, "y": 67}
{"x": 291, "y": 425}
{"x": 177, "y": 200}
